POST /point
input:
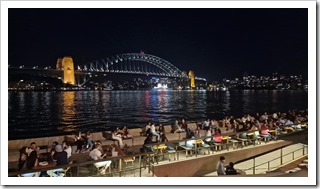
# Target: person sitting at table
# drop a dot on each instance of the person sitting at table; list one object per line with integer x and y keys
{"x": 61, "y": 158}
{"x": 147, "y": 128}
{"x": 206, "y": 124}
{"x": 23, "y": 157}
{"x": 126, "y": 134}
{"x": 184, "y": 124}
{"x": 54, "y": 144}
{"x": 265, "y": 130}
{"x": 89, "y": 141}
{"x": 189, "y": 133}
{"x": 79, "y": 142}
{"x": 253, "y": 127}
{"x": 162, "y": 134}
{"x": 148, "y": 140}
{"x": 66, "y": 147}
{"x": 255, "y": 131}
{"x": 176, "y": 127}
{"x": 34, "y": 146}
{"x": 154, "y": 132}
{"x": 31, "y": 162}
{"x": 214, "y": 125}
{"x": 208, "y": 134}
{"x": 217, "y": 138}
{"x": 96, "y": 142}
{"x": 96, "y": 154}
{"x": 117, "y": 136}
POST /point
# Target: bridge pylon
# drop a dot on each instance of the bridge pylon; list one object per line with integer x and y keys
{"x": 192, "y": 79}
{"x": 66, "y": 63}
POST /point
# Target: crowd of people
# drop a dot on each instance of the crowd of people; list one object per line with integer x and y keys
{"x": 30, "y": 157}
{"x": 61, "y": 153}
{"x": 151, "y": 131}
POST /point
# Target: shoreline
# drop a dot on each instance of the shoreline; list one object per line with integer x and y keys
{"x": 220, "y": 122}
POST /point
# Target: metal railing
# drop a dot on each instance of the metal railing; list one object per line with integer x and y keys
{"x": 266, "y": 166}
{"x": 116, "y": 167}
{"x": 147, "y": 157}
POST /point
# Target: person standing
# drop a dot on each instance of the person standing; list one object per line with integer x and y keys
{"x": 221, "y": 166}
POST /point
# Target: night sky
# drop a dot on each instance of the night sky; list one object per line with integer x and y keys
{"x": 215, "y": 43}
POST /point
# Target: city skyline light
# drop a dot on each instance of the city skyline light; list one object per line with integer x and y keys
{"x": 215, "y": 43}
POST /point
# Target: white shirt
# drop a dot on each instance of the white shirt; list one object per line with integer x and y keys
{"x": 206, "y": 123}
{"x": 68, "y": 150}
{"x": 95, "y": 154}
{"x": 153, "y": 128}
{"x": 220, "y": 168}
{"x": 208, "y": 134}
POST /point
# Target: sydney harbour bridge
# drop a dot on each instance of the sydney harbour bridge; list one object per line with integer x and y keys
{"x": 127, "y": 63}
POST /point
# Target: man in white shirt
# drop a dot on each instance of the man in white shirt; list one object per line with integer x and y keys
{"x": 96, "y": 154}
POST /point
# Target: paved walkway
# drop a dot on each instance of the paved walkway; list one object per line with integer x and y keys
{"x": 261, "y": 162}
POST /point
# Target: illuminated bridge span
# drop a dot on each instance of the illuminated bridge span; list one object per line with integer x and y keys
{"x": 128, "y": 63}
{"x": 135, "y": 63}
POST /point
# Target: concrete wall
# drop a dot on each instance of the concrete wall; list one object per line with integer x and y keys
{"x": 207, "y": 164}
{"x": 137, "y": 133}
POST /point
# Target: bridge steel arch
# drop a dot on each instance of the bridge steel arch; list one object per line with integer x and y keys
{"x": 117, "y": 64}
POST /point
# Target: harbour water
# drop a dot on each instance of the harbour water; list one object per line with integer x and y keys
{"x": 39, "y": 114}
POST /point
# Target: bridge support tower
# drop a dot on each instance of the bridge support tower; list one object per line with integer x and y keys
{"x": 68, "y": 69}
{"x": 192, "y": 80}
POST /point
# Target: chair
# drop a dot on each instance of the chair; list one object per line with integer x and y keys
{"x": 206, "y": 146}
{"x": 129, "y": 160}
{"x": 150, "y": 149}
{"x": 225, "y": 142}
{"x": 170, "y": 151}
{"x": 235, "y": 143}
{"x": 265, "y": 138}
{"x": 243, "y": 142}
{"x": 183, "y": 145}
{"x": 217, "y": 146}
{"x": 99, "y": 165}
{"x": 256, "y": 137}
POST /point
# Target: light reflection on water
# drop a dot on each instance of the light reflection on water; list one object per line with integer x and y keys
{"x": 36, "y": 114}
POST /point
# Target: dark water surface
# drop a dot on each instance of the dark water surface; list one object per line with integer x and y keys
{"x": 37, "y": 114}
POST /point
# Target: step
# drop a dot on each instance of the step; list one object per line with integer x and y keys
{"x": 297, "y": 168}
{"x": 305, "y": 161}
{"x": 291, "y": 171}
{"x": 303, "y": 164}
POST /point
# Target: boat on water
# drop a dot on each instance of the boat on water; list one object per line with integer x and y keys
{"x": 161, "y": 87}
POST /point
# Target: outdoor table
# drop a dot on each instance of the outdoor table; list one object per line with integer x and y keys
{"x": 226, "y": 137}
{"x": 250, "y": 135}
{"x": 160, "y": 148}
{"x": 117, "y": 149}
{"x": 273, "y": 132}
{"x": 49, "y": 165}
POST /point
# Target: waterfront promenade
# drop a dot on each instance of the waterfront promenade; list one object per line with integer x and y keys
{"x": 154, "y": 169}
